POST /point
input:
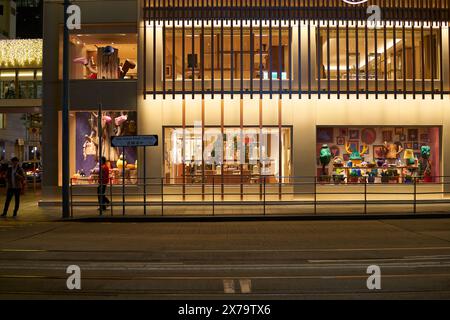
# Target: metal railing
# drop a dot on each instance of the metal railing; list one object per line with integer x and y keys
{"x": 258, "y": 193}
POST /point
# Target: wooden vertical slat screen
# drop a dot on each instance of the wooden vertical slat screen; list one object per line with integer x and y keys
{"x": 405, "y": 19}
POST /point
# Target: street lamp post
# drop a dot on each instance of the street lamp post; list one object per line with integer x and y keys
{"x": 65, "y": 118}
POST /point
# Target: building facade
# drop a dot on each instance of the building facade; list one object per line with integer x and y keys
{"x": 241, "y": 92}
{"x": 20, "y": 99}
{"x": 7, "y": 19}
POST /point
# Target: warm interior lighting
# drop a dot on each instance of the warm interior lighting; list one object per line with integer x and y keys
{"x": 7, "y": 74}
{"x": 21, "y": 53}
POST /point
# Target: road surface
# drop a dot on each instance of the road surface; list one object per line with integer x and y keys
{"x": 226, "y": 260}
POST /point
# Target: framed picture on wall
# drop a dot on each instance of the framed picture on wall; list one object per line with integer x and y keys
{"x": 398, "y": 131}
{"x": 387, "y": 135}
{"x": 325, "y": 135}
{"x": 340, "y": 141}
{"x": 343, "y": 132}
{"x": 403, "y": 137}
{"x": 379, "y": 151}
{"x": 413, "y": 134}
{"x": 424, "y": 138}
{"x": 353, "y": 134}
{"x": 368, "y": 135}
{"x": 354, "y": 145}
{"x": 407, "y": 145}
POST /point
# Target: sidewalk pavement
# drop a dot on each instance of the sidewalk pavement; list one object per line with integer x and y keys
{"x": 29, "y": 210}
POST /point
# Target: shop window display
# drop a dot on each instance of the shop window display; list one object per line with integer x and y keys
{"x": 257, "y": 49}
{"x": 87, "y": 146}
{"x": 103, "y": 56}
{"x": 378, "y": 154}
{"x": 336, "y": 66}
{"x": 237, "y": 155}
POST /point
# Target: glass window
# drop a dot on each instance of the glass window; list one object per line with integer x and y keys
{"x": 358, "y": 152}
{"x": 20, "y": 84}
{"x": 86, "y": 141}
{"x": 103, "y": 56}
{"x": 231, "y": 51}
{"x": 250, "y": 152}
{"x": 391, "y": 54}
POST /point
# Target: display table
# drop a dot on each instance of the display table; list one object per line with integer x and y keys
{"x": 365, "y": 170}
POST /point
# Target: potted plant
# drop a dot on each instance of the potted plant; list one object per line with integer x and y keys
{"x": 393, "y": 176}
{"x": 408, "y": 179}
{"x": 371, "y": 176}
{"x": 338, "y": 176}
{"x": 354, "y": 176}
{"x": 384, "y": 176}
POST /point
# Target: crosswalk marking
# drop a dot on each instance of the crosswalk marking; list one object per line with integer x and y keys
{"x": 228, "y": 286}
{"x": 245, "y": 286}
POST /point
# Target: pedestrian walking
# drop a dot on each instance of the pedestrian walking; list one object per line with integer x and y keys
{"x": 103, "y": 179}
{"x": 15, "y": 183}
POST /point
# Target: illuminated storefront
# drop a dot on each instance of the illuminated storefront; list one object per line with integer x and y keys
{"x": 244, "y": 92}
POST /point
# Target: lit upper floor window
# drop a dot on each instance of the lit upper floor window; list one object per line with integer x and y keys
{"x": 103, "y": 56}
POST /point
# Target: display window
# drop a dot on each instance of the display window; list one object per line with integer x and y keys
{"x": 20, "y": 84}
{"x": 119, "y": 160}
{"x": 392, "y": 58}
{"x": 378, "y": 154}
{"x": 258, "y": 48}
{"x": 238, "y": 155}
{"x": 103, "y": 56}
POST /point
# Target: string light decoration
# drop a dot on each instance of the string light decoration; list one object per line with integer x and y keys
{"x": 21, "y": 53}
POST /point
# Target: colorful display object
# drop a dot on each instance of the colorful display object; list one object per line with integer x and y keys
{"x": 408, "y": 155}
{"x": 87, "y": 133}
{"x": 425, "y": 163}
{"x": 325, "y": 158}
{"x": 355, "y": 154}
{"x": 108, "y": 65}
{"x": 393, "y": 150}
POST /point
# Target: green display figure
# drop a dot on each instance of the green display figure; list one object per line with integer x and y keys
{"x": 425, "y": 164}
{"x": 325, "y": 158}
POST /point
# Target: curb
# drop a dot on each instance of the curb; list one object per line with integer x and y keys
{"x": 233, "y": 218}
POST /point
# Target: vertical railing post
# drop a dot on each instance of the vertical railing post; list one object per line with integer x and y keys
{"x": 162, "y": 196}
{"x": 123, "y": 181}
{"x": 365, "y": 195}
{"x": 111, "y": 196}
{"x": 71, "y": 198}
{"x": 65, "y": 116}
{"x": 264, "y": 196}
{"x": 415, "y": 195}
{"x": 213, "y": 187}
{"x": 145, "y": 184}
{"x": 315, "y": 195}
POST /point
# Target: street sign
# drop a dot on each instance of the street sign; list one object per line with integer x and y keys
{"x": 135, "y": 141}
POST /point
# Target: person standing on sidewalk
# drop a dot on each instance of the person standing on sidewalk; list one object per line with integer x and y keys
{"x": 15, "y": 180}
{"x": 103, "y": 201}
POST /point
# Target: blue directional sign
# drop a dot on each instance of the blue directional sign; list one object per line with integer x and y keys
{"x": 135, "y": 141}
